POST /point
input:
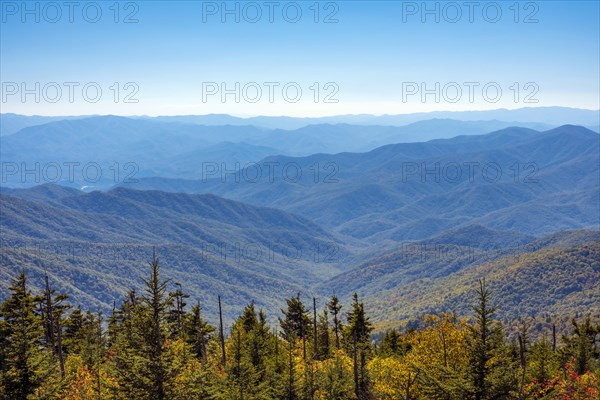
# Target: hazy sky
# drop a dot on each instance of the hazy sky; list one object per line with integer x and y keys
{"x": 296, "y": 58}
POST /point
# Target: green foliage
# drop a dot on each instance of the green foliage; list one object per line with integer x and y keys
{"x": 295, "y": 322}
{"x": 547, "y": 286}
{"x": 335, "y": 307}
{"x": 491, "y": 370}
{"x": 156, "y": 347}
{"x": 584, "y": 345}
{"x": 24, "y": 363}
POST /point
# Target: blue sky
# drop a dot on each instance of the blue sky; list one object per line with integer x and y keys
{"x": 372, "y": 57}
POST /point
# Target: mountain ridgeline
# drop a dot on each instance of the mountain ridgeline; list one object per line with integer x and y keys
{"x": 101, "y": 151}
{"x": 514, "y": 179}
{"x": 408, "y": 226}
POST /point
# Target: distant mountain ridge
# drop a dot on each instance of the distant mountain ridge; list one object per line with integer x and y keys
{"x": 552, "y": 116}
{"x": 536, "y": 183}
{"x": 75, "y": 151}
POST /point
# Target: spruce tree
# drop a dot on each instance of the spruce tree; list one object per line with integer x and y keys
{"x": 358, "y": 323}
{"x": 296, "y": 323}
{"x": 583, "y": 344}
{"x": 248, "y": 319}
{"x": 197, "y": 332}
{"x": 23, "y": 361}
{"x": 53, "y": 309}
{"x": 323, "y": 340}
{"x": 335, "y": 307}
{"x": 392, "y": 344}
{"x": 73, "y": 326}
{"x": 143, "y": 369}
{"x": 543, "y": 361}
{"x": 176, "y": 312}
{"x": 154, "y": 332}
{"x": 358, "y": 332}
{"x": 492, "y": 375}
{"x": 124, "y": 338}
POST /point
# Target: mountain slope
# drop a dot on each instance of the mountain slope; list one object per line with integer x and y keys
{"x": 444, "y": 255}
{"x": 551, "y": 281}
{"x": 101, "y": 242}
{"x": 514, "y": 179}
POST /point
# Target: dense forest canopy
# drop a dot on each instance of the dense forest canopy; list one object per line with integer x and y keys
{"x": 157, "y": 345}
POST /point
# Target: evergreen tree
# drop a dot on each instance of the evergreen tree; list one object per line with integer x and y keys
{"x": 583, "y": 345}
{"x": 248, "y": 319}
{"x": 543, "y": 361}
{"x": 24, "y": 363}
{"x": 154, "y": 332}
{"x": 144, "y": 370}
{"x": 89, "y": 341}
{"x": 358, "y": 326}
{"x": 491, "y": 374}
{"x": 323, "y": 336}
{"x": 335, "y": 307}
{"x": 393, "y": 344}
{"x": 197, "y": 332}
{"x": 52, "y": 310}
{"x": 259, "y": 343}
{"x": 126, "y": 341}
{"x": 246, "y": 369}
{"x": 296, "y": 323}
{"x": 73, "y": 325}
{"x": 176, "y": 312}
{"x": 357, "y": 333}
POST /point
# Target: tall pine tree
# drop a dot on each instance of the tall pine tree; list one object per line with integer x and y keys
{"x": 23, "y": 361}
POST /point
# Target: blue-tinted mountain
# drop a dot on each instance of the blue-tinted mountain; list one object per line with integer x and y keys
{"x": 12, "y": 123}
{"x": 128, "y": 148}
{"x": 533, "y": 117}
{"x": 534, "y": 183}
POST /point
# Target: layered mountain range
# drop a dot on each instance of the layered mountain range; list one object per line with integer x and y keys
{"x": 261, "y": 213}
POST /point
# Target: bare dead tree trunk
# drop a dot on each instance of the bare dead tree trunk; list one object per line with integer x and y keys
{"x": 314, "y": 328}
{"x": 222, "y": 335}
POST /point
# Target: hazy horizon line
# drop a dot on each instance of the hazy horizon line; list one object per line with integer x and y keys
{"x": 243, "y": 116}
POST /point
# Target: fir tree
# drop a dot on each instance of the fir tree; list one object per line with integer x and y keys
{"x": 335, "y": 307}
{"x": 176, "y": 312}
{"x": 153, "y": 331}
{"x": 24, "y": 364}
{"x": 197, "y": 332}
{"x": 53, "y": 308}
{"x": 323, "y": 339}
{"x": 358, "y": 332}
{"x": 583, "y": 345}
{"x": 491, "y": 374}
{"x": 393, "y": 344}
{"x": 296, "y": 323}
{"x": 248, "y": 319}
{"x": 358, "y": 323}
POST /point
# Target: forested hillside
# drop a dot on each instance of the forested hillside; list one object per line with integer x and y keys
{"x": 547, "y": 284}
{"x": 92, "y": 245}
